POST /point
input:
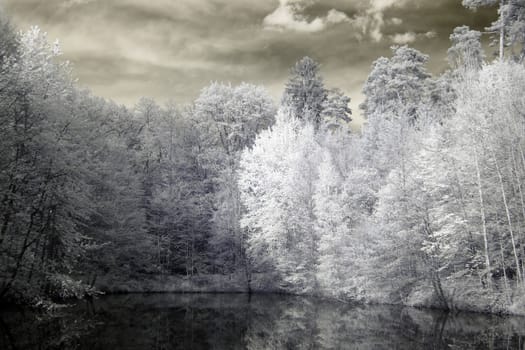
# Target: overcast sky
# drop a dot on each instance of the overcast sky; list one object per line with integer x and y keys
{"x": 170, "y": 49}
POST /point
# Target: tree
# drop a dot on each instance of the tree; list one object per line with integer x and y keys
{"x": 45, "y": 195}
{"x": 336, "y": 110}
{"x": 510, "y": 24}
{"x": 515, "y": 17}
{"x": 230, "y": 118}
{"x": 8, "y": 39}
{"x": 503, "y": 141}
{"x": 276, "y": 180}
{"x": 305, "y": 93}
{"x": 397, "y": 98}
{"x": 498, "y": 25}
{"x": 466, "y": 50}
{"x": 398, "y": 84}
{"x": 332, "y": 228}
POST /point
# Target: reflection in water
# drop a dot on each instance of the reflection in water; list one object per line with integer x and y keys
{"x": 238, "y": 321}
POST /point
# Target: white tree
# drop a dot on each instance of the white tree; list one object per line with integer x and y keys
{"x": 466, "y": 50}
{"x": 332, "y": 227}
{"x": 276, "y": 180}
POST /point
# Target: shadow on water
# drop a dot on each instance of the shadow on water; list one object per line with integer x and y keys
{"x": 238, "y": 321}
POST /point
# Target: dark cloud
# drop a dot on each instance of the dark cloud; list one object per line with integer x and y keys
{"x": 170, "y": 49}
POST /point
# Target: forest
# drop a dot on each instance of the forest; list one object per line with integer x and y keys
{"x": 425, "y": 206}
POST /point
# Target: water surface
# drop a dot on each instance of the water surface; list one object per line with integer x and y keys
{"x": 238, "y": 321}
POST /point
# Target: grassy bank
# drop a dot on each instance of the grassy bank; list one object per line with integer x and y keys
{"x": 212, "y": 283}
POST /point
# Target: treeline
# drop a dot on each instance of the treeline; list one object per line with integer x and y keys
{"x": 425, "y": 208}
{"x": 93, "y": 190}
{"x": 90, "y": 188}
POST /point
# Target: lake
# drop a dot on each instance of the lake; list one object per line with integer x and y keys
{"x": 240, "y": 321}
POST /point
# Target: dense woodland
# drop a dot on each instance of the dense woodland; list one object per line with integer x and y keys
{"x": 424, "y": 206}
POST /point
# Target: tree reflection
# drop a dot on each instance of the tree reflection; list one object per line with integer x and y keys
{"x": 238, "y": 321}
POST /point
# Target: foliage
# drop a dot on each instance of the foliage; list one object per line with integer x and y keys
{"x": 428, "y": 199}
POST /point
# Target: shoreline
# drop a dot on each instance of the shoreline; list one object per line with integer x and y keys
{"x": 420, "y": 298}
{"x": 154, "y": 286}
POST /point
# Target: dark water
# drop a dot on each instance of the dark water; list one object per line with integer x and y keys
{"x": 236, "y": 321}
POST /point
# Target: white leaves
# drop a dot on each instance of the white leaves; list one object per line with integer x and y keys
{"x": 276, "y": 180}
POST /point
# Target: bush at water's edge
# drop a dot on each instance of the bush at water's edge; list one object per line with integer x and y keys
{"x": 465, "y": 295}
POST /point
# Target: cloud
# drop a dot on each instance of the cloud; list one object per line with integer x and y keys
{"x": 171, "y": 49}
{"x": 431, "y": 34}
{"x": 410, "y": 37}
{"x": 395, "y": 21}
{"x": 381, "y": 5}
{"x": 72, "y": 3}
{"x": 368, "y": 22}
{"x": 334, "y": 16}
{"x": 404, "y": 38}
{"x": 371, "y": 21}
{"x": 287, "y": 16}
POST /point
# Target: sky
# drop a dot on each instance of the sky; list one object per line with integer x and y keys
{"x": 171, "y": 49}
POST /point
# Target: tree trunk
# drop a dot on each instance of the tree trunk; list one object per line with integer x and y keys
{"x": 501, "y": 32}
{"x": 436, "y": 282}
{"x": 483, "y": 220}
{"x": 509, "y": 220}
{"x": 505, "y": 280}
{"x": 522, "y": 202}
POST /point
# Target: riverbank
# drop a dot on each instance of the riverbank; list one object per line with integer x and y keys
{"x": 211, "y": 283}
{"x": 462, "y": 295}
{"x": 466, "y": 295}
